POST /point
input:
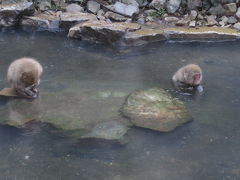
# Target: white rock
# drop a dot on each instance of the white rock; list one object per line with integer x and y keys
{"x": 238, "y": 13}
{"x": 237, "y": 26}
{"x": 193, "y": 14}
{"x": 171, "y": 19}
{"x": 192, "y": 24}
{"x": 224, "y": 19}
{"x": 173, "y": 5}
{"x": 93, "y": 6}
{"x": 126, "y": 9}
{"x": 157, "y": 4}
{"x": 72, "y": 8}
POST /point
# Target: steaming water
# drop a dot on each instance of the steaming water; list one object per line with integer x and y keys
{"x": 206, "y": 148}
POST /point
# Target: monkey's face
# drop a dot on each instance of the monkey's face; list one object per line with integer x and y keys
{"x": 197, "y": 77}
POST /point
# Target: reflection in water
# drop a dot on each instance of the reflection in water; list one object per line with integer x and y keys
{"x": 206, "y": 148}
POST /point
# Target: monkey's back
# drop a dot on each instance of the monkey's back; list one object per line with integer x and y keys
{"x": 24, "y": 70}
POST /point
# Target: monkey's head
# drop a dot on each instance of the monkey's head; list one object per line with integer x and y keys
{"x": 192, "y": 74}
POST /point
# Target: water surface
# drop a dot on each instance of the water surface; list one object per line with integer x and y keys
{"x": 206, "y": 148}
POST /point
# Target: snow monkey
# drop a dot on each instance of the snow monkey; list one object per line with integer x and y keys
{"x": 188, "y": 77}
{"x": 24, "y": 76}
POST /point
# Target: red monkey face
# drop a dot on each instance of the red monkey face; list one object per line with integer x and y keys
{"x": 197, "y": 78}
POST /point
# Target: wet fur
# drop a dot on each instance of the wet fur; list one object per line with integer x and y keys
{"x": 24, "y": 75}
{"x": 183, "y": 79}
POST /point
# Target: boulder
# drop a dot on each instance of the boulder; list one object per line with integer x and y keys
{"x": 102, "y": 31}
{"x": 67, "y": 20}
{"x": 93, "y": 6}
{"x": 211, "y": 20}
{"x": 10, "y": 14}
{"x": 237, "y": 26}
{"x": 232, "y": 20}
{"x": 114, "y": 16}
{"x": 156, "y": 4}
{"x": 194, "y": 4}
{"x": 124, "y": 9}
{"x": 41, "y": 22}
{"x": 74, "y": 8}
{"x": 217, "y": 10}
{"x": 238, "y": 13}
{"x": 155, "y": 109}
{"x": 173, "y": 6}
{"x": 231, "y": 8}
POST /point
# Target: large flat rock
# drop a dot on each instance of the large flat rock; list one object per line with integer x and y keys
{"x": 102, "y": 31}
{"x": 67, "y": 20}
{"x": 10, "y": 14}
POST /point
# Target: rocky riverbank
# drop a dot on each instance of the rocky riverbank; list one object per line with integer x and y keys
{"x": 127, "y": 22}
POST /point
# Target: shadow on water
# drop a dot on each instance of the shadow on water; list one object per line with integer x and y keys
{"x": 206, "y": 148}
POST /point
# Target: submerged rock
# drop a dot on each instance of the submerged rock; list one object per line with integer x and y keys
{"x": 111, "y": 130}
{"x": 155, "y": 109}
{"x": 81, "y": 114}
{"x": 10, "y": 14}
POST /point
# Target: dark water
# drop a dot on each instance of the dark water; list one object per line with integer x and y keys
{"x": 207, "y": 148}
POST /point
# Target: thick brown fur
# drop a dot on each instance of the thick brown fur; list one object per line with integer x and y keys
{"x": 184, "y": 77}
{"x": 24, "y": 76}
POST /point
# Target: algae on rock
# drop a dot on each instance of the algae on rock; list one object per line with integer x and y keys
{"x": 155, "y": 109}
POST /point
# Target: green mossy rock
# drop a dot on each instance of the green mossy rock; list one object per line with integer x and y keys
{"x": 155, "y": 109}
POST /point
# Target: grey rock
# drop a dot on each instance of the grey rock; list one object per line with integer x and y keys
{"x": 111, "y": 130}
{"x": 211, "y": 20}
{"x": 11, "y": 13}
{"x": 237, "y": 26}
{"x": 217, "y": 10}
{"x": 41, "y": 21}
{"x": 222, "y": 23}
{"x": 124, "y": 9}
{"x": 238, "y": 13}
{"x": 232, "y": 20}
{"x": 224, "y": 19}
{"x": 182, "y": 22}
{"x": 141, "y": 20}
{"x": 70, "y": 19}
{"x": 156, "y": 4}
{"x": 114, "y": 16}
{"x": 170, "y": 19}
{"x": 130, "y": 2}
{"x": 102, "y": 31}
{"x": 72, "y": 8}
{"x": 43, "y": 5}
{"x": 231, "y": 8}
{"x": 9, "y": 2}
{"x": 173, "y": 5}
{"x": 192, "y": 24}
{"x": 200, "y": 17}
{"x": 193, "y": 14}
{"x": 193, "y": 4}
{"x": 93, "y": 6}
